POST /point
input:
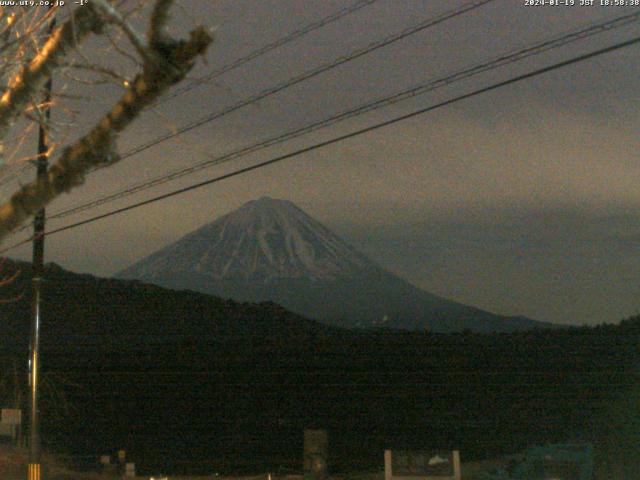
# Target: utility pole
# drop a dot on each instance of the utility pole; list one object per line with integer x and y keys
{"x": 42, "y": 163}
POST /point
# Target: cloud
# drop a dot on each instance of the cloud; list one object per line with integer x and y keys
{"x": 522, "y": 200}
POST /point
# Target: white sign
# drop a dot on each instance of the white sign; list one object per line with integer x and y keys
{"x": 130, "y": 470}
{"x": 11, "y": 416}
{"x": 421, "y": 465}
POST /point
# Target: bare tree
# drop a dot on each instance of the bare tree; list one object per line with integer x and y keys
{"x": 28, "y": 59}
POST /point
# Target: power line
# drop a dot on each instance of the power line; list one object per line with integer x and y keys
{"x": 306, "y": 75}
{"x": 292, "y": 36}
{"x": 341, "y": 138}
{"x": 296, "y": 34}
{"x": 420, "y": 89}
{"x": 313, "y": 73}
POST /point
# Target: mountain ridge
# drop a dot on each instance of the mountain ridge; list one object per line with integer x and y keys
{"x": 266, "y": 219}
{"x": 271, "y": 250}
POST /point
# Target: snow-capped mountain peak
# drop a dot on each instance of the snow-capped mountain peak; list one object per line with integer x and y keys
{"x": 264, "y": 240}
{"x": 270, "y": 250}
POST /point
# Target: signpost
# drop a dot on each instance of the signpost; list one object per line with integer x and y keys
{"x": 316, "y": 452}
{"x": 10, "y": 423}
{"x": 11, "y": 416}
{"x": 421, "y": 465}
{"x": 130, "y": 469}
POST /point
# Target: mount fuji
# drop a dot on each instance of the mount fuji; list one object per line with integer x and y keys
{"x": 271, "y": 250}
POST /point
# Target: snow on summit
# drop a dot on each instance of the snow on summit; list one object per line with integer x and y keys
{"x": 265, "y": 239}
{"x": 270, "y": 250}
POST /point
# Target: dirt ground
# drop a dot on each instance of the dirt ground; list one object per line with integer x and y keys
{"x": 13, "y": 463}
{"x": 13, "y": 466}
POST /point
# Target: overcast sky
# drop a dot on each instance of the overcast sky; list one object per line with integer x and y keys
{"x": 524, "y": 200}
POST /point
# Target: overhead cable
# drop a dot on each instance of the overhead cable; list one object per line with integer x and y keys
{"x": 422, "y": 88}
{"x": 319, "y": 145}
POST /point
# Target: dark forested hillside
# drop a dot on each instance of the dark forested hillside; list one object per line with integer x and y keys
{"x": 191, "y": 383}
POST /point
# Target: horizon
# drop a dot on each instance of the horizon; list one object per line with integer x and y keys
{"x": 266, "y": 200}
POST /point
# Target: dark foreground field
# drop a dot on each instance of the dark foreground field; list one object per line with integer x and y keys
{"x": 190, "y": 384}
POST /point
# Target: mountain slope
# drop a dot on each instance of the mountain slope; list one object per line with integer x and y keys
{"x": 262, "y": 241}
{"x": 90, "y": 312}
{"x": 271, "y": 250}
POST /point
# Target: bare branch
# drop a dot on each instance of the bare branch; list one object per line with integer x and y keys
{"x": 113, "y": 16}
{"x": 171, "y": 61}
{"x": 104, "y": 71}
{"x": 31, "y": 78}
{"x": 158, "y": 23}
{"x": 121, "y": 51}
